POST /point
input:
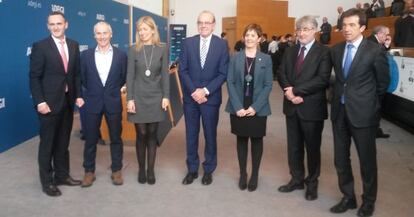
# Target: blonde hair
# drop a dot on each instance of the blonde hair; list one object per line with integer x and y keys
{"x": 151, "y": 23}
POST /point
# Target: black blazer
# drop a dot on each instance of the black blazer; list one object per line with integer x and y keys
{"x": 368, "y": 77}
{"x": 48, "y": 79}
{"x": 310, "y": 83}
{"x": 96, "y": 95}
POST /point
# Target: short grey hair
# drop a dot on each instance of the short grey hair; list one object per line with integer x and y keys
{"x": 207, "y": 12}
{"x": 306, "y": 19}
{"x": 379, "y": 28}
{"x": 102, "y": 23}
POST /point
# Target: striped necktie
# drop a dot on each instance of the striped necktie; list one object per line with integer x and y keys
{"x": 203, "y": 52}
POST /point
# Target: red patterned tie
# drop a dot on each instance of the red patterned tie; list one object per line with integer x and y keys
{"x": 300, "y": 59}
{"x": 63, "y": 55}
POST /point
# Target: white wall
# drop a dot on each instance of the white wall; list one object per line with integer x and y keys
{"x": 186, "y": 12}
{"x": 153, "y": 6}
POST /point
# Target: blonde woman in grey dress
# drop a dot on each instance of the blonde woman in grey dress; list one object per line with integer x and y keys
{"x": 147, "y": 93}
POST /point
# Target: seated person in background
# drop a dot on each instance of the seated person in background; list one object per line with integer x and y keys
{"x": 404, "y": 27}
{"x": 397, "y": 8}
{"x": 378, "y": 7}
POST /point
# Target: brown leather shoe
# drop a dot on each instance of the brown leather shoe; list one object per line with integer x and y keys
{"x": 88, "y": 179}
{"x": 117, "y": 178}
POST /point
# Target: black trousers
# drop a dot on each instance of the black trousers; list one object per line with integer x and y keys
{"x": 304, "y": 136}
{"x": 364, "y": 139}
{"x": 92, "y": 124}
{"x": 54, "y": 134}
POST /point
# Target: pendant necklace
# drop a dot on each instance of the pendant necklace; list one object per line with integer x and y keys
{"x": 148, "y": 65}
{"x": 248, "y": 78}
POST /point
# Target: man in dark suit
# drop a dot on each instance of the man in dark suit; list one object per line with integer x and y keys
{"x": 361, "y": 70}
{"x": 203, "y": 69}
{"x": 103, "y": 70}
{"x": 304, "y": 77}
{"x": 55, "y": 84}
{"x": 381, "y": 36}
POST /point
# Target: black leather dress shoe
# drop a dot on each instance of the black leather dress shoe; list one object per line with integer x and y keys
{"x": 207, "y": 179}
{"x": 367, "y": 209}
{"x": 291, "y": 186}
{"x": 68, "y": 181}
{"x": 189, "y": 178}
{"x": 142, "y": 176}
{"x": 243, "y": 181}
{"x": 344, "y": 205}
{"x": 150, "y": 177}
{"x": 311, "y": 193}
{"x": 51, "y": 190}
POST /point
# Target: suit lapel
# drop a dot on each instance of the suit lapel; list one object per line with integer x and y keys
{"x": 308, "y": 58}
{"x": 357, "y": 58}
{"x": 197, "y": 50}
{"x": 71, "y": 51}
{"x": 209, "y": 52}
{"x": 257, "y": 67}
{"x": 293, "y": 57}
{"x": 339, "y": 60}
{"x": 55, "y": 49}
{"x": 111, "y": 71}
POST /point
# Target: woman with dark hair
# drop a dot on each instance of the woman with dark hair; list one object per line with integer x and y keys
{"x": 249, "y": 82}
{"x": 147, "y": 93}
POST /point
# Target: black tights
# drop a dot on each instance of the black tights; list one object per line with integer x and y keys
{"x": 257, "y": 151}
{"x": 146, "y": 144}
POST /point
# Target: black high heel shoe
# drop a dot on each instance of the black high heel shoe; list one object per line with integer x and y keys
{"x": 150, "y": 177}
{"x": 243, "y": 181}
{"x": 142, "y": 177}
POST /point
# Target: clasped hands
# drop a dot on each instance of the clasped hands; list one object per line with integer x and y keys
{"x": 199, "y": 95}
{"x": 291, "y": 97}
{"x": 246, "y": 112}
{"x": 132, "y": 109}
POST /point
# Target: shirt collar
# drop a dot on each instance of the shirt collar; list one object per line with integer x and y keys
{"x": 308, "y": 45}
{"x": 57, "y": 41}
{"x": 109, "y": 50}
{"x": 208, "y": 37}
{"x": 357, "y": 42}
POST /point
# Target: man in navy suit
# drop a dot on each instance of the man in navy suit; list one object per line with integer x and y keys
{"x": 55, "y": 84}
{"x": 361, "y": 76}
{"x": 103, "y": 71}
{"x": 202, "y": 70}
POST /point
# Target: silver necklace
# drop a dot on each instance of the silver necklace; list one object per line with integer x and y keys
{"x": 147, "y": 66}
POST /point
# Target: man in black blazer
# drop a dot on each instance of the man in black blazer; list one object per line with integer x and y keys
{"x": 103, "y": 72}
{"x": 55, "y": 85}
{"x": 304, "y": 77}
{"x": 362, "y": 74}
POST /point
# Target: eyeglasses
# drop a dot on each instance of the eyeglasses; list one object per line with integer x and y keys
{"x": 204, "y": 23}
{"x": 305, "y": 30}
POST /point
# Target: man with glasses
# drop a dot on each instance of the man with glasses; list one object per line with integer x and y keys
{"x": 202, "y": 70}
{"x": 304, "y": 77}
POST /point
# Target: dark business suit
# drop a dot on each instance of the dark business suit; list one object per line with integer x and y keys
{"x": 102, "y": 100}
{"x": 48, "y": 82}
{"x": 193, "y": 76}
{"x": 368, "y": 77}
{"x": 305, "y": 121}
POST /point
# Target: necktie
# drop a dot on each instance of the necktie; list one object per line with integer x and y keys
{"x": 300, "y": 59}
{"x": 348, "y": 60}
{"x": 203, "y": 52}
{"x": 347, "y": 65}
{"x": 63, "y": 55}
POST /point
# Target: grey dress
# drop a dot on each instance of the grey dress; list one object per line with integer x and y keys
{"x": 148, "y": 91}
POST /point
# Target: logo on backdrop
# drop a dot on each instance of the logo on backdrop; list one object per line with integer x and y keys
{"x": 83, "y": 47}
{"x": 81, "y": 13}
{"x": 28, "y": 51}
{"x": 115, "y": 45}
{"x": 2, "y": 103}
{"x": 58, "y": 8}
{"x": 115, "y": 19}
{"x": 33, "y": 4}
{"x": 126, "y": 21}
{"x": 100, "y": 17}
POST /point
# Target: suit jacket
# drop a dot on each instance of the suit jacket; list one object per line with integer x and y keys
{"x": 48, "y": 79}
{"x": 212, "y": 76}
{"x": 368, "y": 78}
{"x": 98, "y": 97}
{"x": 263, "y": 80}
{"x": 310, "y": 83}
